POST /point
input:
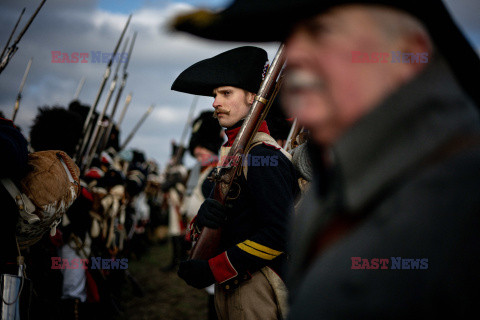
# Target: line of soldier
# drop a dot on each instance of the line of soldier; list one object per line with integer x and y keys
{"x": 105, "y": 216}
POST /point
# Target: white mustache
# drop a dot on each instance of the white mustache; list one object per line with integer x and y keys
{"x": 301, "y": 80}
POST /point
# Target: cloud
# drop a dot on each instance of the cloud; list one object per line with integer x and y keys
{"x": 79, "y": 26}
{"x": 158, "y": 57}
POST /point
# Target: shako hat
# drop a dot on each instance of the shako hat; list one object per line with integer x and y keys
{"x": 241, "y": 67}
{"x": 206, "y": 132}
{"x": 272, "y": 20}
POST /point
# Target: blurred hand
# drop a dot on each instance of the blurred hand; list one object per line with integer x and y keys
{"x": 196, "y": 273}
{"x": 211, "y": 214}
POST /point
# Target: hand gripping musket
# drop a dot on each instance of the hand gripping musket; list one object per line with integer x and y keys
{"x": 13, "y": 48}
{"x": 224, "y": 176}
{"x": 137, "y": 126}
{"x": 119, "y": 94}
{"x": 20, "y": 90}
{"x": 96, "y": 136}
{"x": 87, "y": 125}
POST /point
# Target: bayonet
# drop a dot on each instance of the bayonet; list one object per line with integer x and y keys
{"x": 87, "y": 126}
{"x": 20, "y": 90}
{"x": 13, "y": 48}
{"x": 124, "y": 111}
{"x": 96, "y": 137}
{"x": 11, "y": 34}
{"x": 79, "y": 88}
{"x": 119, "y": 94}
{"x": 137, "y": 126}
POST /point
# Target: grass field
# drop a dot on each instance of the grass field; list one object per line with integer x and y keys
{"x": 167, "y": 297}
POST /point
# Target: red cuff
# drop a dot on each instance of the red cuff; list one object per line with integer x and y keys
{"x": 222, "y": 268}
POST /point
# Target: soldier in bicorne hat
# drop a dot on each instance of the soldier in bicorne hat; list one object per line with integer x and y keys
{"x": 385, "y": 88}
{"x": 248, "y": 272}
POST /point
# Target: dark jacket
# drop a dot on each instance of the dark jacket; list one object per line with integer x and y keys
{"x": 13, "y": 164}
{"x": 399, "y": 189}
{"x": 256, "y": 234}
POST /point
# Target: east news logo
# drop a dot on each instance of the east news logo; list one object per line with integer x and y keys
{"x": 394, "y": 263}
{"x": 94, "y": 263}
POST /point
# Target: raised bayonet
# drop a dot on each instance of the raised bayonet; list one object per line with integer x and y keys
{"x": 20, "y": 90}
{"x": 79, "y": 88}
{"x": 13, "y": 48}
{"x": 137, "y": 126}
{"x": 87, "y": 126}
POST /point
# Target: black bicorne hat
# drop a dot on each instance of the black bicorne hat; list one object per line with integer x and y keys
{"x": 272, "y": 20}
{"x": 241, "y": 67}
{"x": 206, "y": 132}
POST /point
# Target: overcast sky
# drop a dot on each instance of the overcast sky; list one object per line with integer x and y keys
{"x": 158, "y": 57}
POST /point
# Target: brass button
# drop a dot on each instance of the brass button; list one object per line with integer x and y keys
{"x": 227, "y": 287}
{"x": 20, "y": 207}
{"x": 18, "y": 197}
{"x": 236, "y": 281}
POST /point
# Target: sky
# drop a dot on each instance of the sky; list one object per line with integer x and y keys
{"x": 158, "y": 58}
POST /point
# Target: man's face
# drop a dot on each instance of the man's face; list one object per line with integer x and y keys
{"x": 324, "y": 89}
{"x": 203, "y": 155}
{"x": 231, "y": 105}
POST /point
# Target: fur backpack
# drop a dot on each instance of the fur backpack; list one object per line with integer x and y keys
{"x": 44, "y": 194}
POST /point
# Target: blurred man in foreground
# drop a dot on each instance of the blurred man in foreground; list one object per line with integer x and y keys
{"x": 391, "y": 228}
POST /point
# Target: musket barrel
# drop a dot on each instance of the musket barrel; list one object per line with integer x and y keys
{"x": 13, "y": 48}
{"x": 95, "y": 140}
{"x": 137, "y": 126}
{"x": 87, "y": 126}
{"x": 119, "y": 94}
{"x": 11, "y": 34}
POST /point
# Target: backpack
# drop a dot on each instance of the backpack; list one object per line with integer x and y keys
{"x": 44, "y": 194}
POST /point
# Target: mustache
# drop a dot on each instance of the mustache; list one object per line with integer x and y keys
{"x": 299, "y": 80}
{"x": 219, "y": 110}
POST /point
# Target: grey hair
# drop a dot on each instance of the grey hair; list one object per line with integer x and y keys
{"x": 397, "y": 23}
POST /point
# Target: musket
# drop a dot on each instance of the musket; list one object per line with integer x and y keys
{"x": 181, "y": 147}
{"x": 119, "y": 94}
{"x": 87, "y": 125}
{"x": 96, "y": 137}
{"x": 225, "y": 175}
{"x": 12, "y": 33}
{"x": 79, "y": 88}
{"x": 292, "y": 136}
{"x": 137, "y": 126}
{"x": 20, "y": 90}
{"x": 124, "y": 111}
{"x": 13, "y": 48}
